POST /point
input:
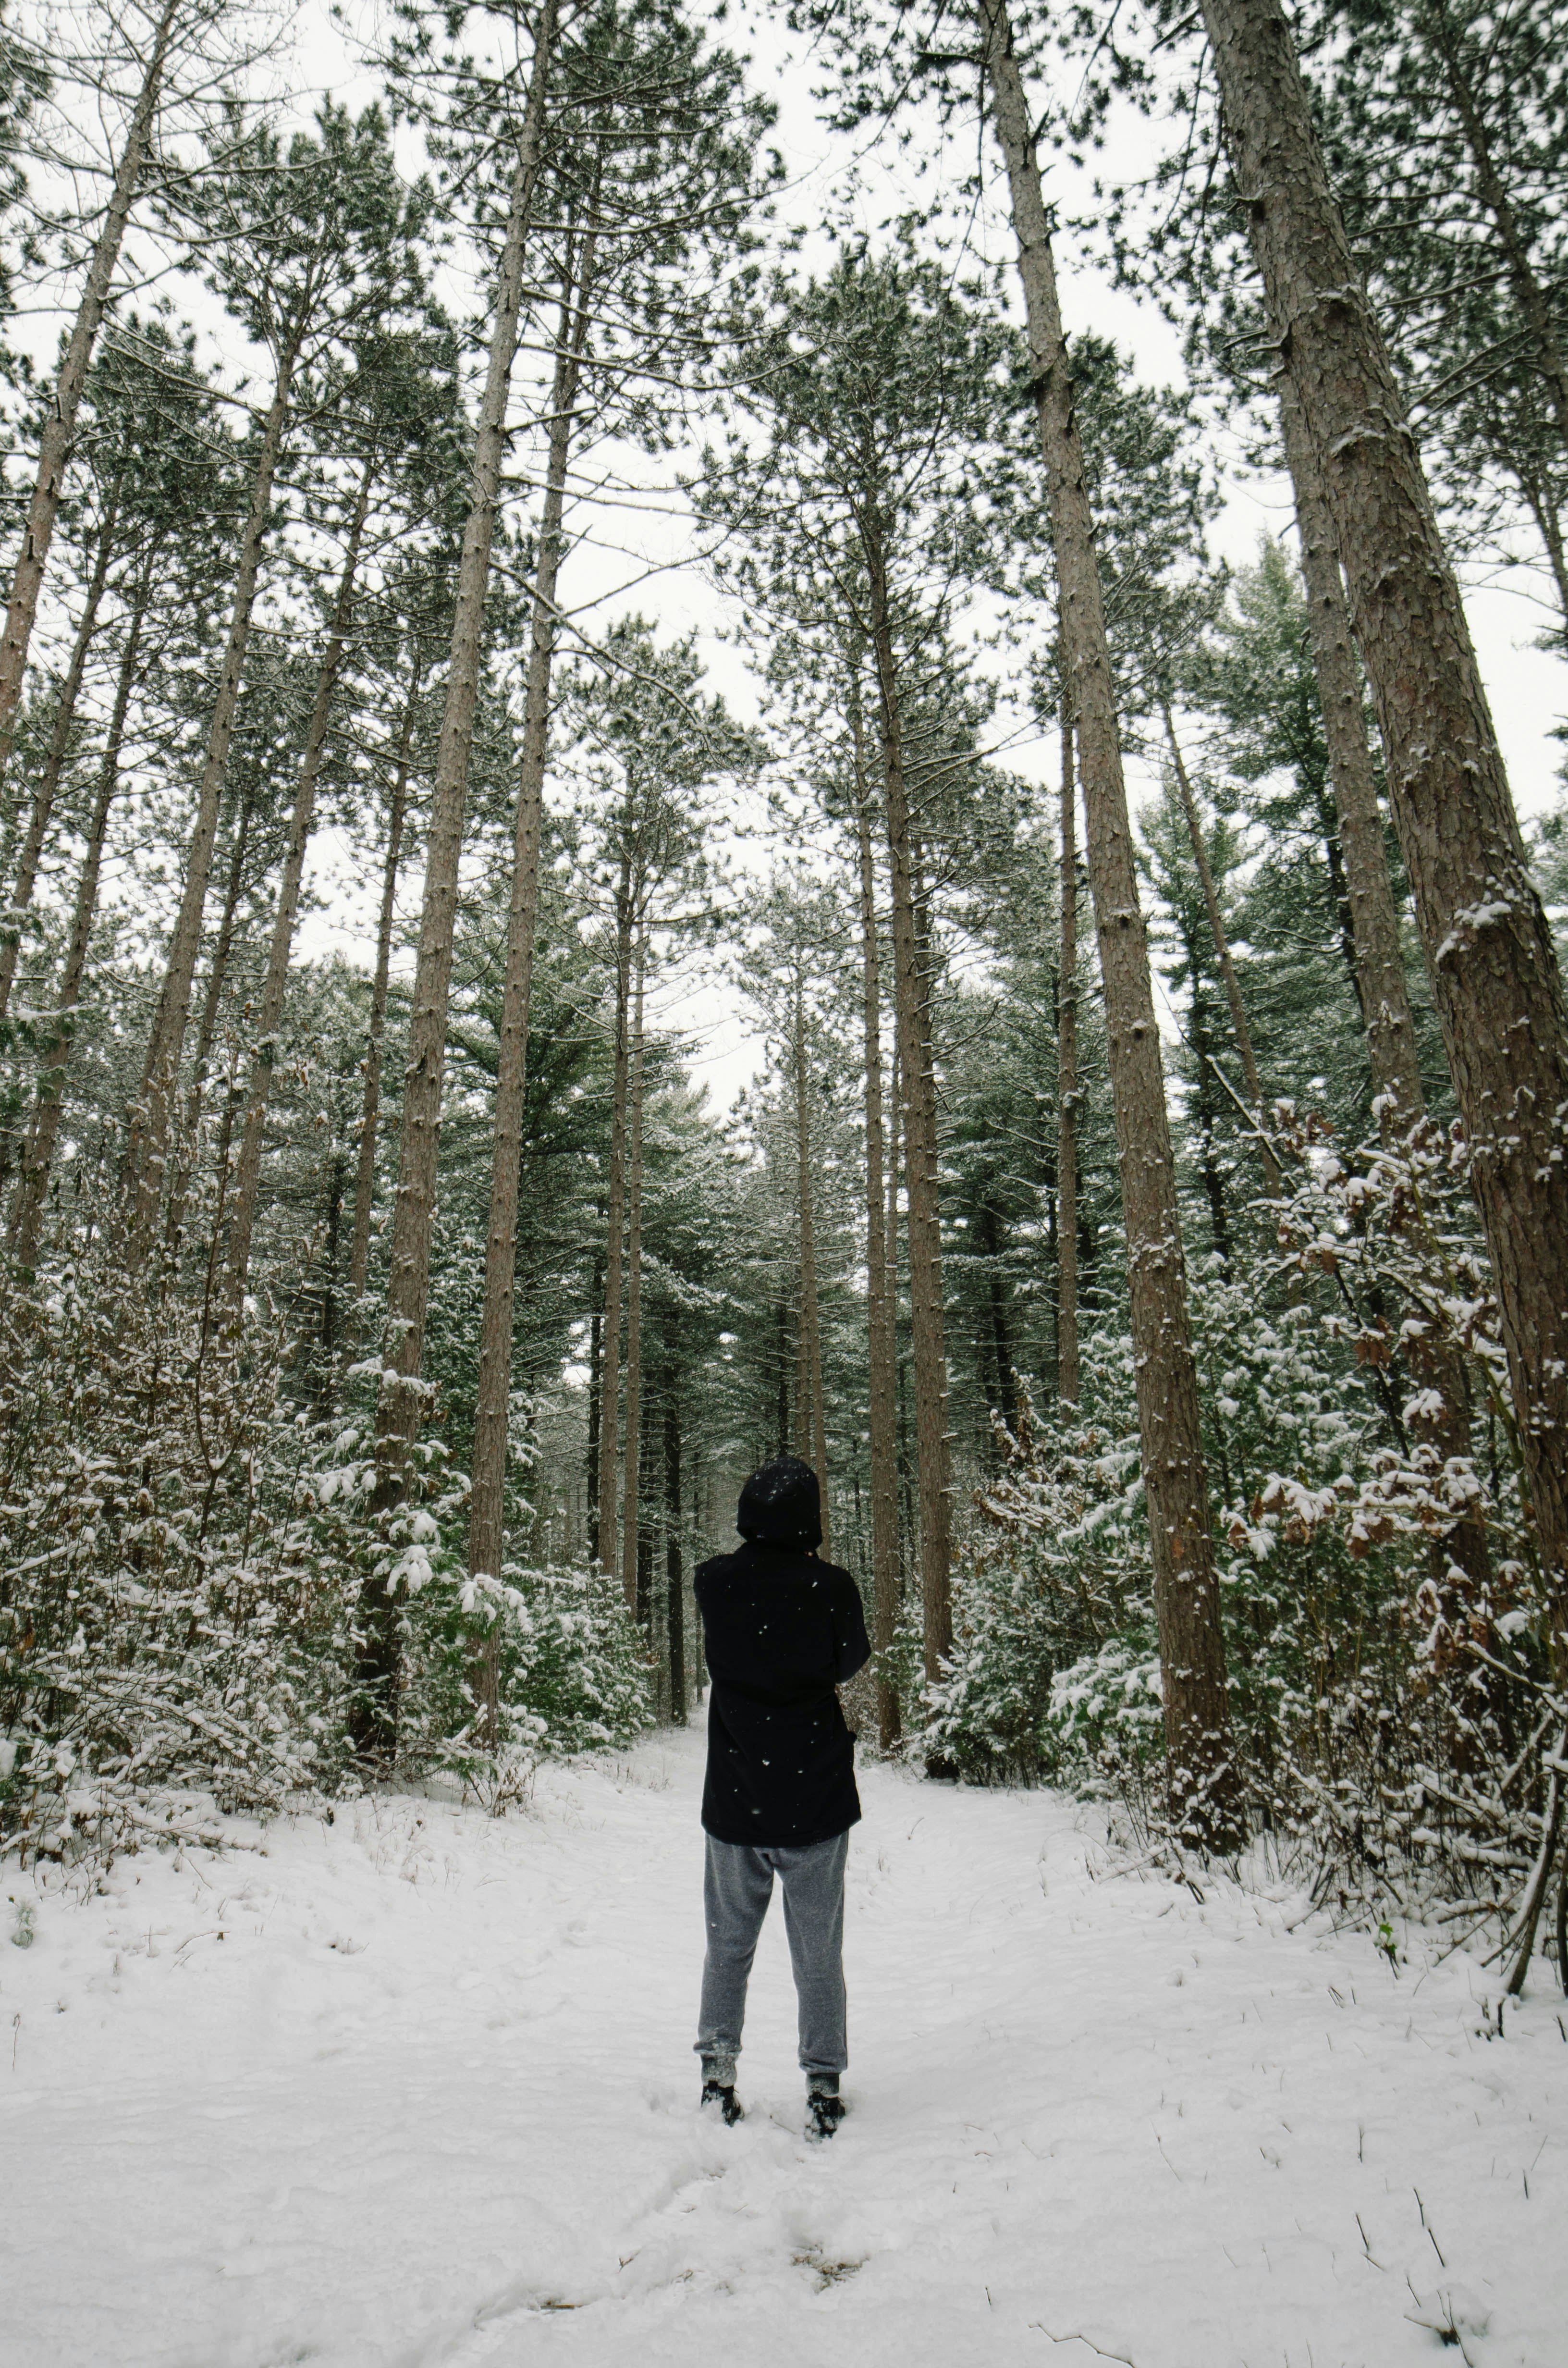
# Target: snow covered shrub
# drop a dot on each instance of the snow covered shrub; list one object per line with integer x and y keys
{"x": 1391, "y": 1691}
{"x": 399, "y": 1550}
{"x": 164, "y": 1613}
{"x": 185, "y": 1548}
{"x": 570, "y": 1662}
{"x": 572, "y": 1658}
{"x": 1053, "y": 1671}
{"x": 1408, "y": 1671}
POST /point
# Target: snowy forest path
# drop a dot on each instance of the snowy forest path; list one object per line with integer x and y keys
{"x": 414, "y": 2091}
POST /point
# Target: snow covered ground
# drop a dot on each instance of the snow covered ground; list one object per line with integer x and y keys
{"x": 415, "y": 2089}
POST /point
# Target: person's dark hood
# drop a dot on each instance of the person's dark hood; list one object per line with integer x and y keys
{"x": 780, "y": 1506}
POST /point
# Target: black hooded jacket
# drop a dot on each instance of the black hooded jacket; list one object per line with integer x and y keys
{"x": 781, "y": 1631}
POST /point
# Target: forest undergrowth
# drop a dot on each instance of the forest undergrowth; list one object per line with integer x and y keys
{"x": 1391, "y": 1707}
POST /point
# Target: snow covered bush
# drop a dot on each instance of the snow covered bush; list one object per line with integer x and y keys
{"x": 573, "y": 1659}
{"x": 184, "y": 1543}
{"x": 1385, "y": 1685}
{"x": 1053, "y": 1669}
{"x": 570, "y": 1662}
{"x": 1407, "y": 1667}
{"x": 166, "y": 1620}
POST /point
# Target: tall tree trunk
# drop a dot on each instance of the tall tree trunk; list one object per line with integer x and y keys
{"x": 60, "y": 420}
{"x": 815, "y": 1412}
{"x": 1338, "y": 889}
{"x": 42, "y": 808}
{"x": 615, "y": 1225}
{"x": 27, "y": 1218}
{"x": 207, "y": 1030}
{"x": 1489, "y": 948}
{"x": 781, "y": 1375}
{"x": 1067, "y": 1096}
{"x": 1202, "y": 1778}
{"x": 801, "y": 1444}
{"x": 993, "y": 1241}
{"x": 595, "y": 1390}
{"x": 881, "y": 1350}
{"x": 675, "y": 1575}
{"x": 643, "y": 1581}
{"x": 1232, "y": 985}
{"x": 149, "y": 1139}
{"x": 634, "y": 1457}
{"x": 487, "y": 1501}
{"x": 1400, "y": 1098}
{"x": 910, "y": 1005}
{"x": 802, "y": 1438}
{"x": 275, "y": 987}
{"x": 1384, "y": 992}
{"x": 336, "y": 1192}
{"x": 370, "y": 1109}
{"x": 900, "y": 1382}
{"x": 1207, "y": 1106}
{"x": 374, "y": 1721}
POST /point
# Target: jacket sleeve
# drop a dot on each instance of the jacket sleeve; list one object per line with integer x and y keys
{"x": 852, "y": 1646}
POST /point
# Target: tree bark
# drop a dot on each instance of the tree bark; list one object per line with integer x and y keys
{"x": 1067, "y": 1383}
{"x": 212, "y": 1006}
{"x": 802, "y": 1443}
{"x": 337, "y": 1186}
{"x": 911, "y": 990}
{"x": 634, "y": 1457}
{"x": 27, "y": 1218}
{"x": 370, "y": 1112}
{"x": 1489, "y": 948}
{"x": 643, "y": 1561}
{"x": 675, "y": 1575}
{"x": 402, "y": 1396}
{"x": 275, "y": 987}
{"x": 1380, "y": 963}
{"x": 781, "y": 1376}
{"x": 882, "y": 1350}
{"x": 1206, "y": 1104}
{"x": 60, "y": 421}
{"x": 149, "y": 1142}
{"x": 814, "y": 1414}
{"x": 1203, "y": 1785}
{"x": 1400, "y": 1098}
{"x": 206, "y": 1037}
{"x": 615, "y": 1225}
{"x": 1218, "y": 933}
{"x": 596, "y": 1385}
{"x": 487, "y": 1500}
{"x": 42, "y": 807}
{"x": 900, "y": 1386}
{"x": 992, "y": 1237}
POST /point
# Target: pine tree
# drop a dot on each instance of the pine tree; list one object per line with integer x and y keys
{"x": 176, "y": 22}
{"x": 309, "y": 246}
{"x": 1203, "y": 1788}
{"x": 1489, "y": 949}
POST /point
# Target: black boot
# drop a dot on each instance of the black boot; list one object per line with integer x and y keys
{"x": 725, "y": 2101}
{"x": 824, "y": 2107}
{"x": 719, "y": 2090}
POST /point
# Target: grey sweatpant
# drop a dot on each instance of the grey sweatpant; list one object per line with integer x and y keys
{"x": 736, "y": 1889}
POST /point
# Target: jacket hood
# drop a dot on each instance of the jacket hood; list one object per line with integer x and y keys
{"x": 781, "y": 1506}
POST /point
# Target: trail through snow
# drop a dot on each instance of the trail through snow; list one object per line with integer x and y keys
{"x": 414, "y": 2091}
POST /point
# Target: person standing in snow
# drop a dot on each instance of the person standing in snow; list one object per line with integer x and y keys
{"x": 782, "y": 1631}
